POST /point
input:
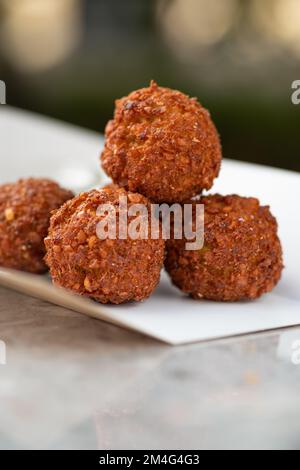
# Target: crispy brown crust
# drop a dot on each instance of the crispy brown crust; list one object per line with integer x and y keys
{"x": 242, "y": 255}
{"x": 25, "y": 210}
{"x": 162, "y": 144}
{"x": 109, "y": 271}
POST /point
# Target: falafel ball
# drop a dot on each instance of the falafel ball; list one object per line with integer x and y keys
{"x": 115, "y": 269}
{"x": 241, "y": 257}
{"x": 162, "y": 144}
{"x": 25, "y": 210}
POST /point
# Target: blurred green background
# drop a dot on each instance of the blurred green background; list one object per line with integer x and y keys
{"x": 70, "y": 59}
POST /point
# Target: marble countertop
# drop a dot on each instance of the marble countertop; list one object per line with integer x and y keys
{"x": 71, "y": 382}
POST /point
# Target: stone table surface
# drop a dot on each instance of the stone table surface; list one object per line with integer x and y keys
{"x": 71, "y": 382}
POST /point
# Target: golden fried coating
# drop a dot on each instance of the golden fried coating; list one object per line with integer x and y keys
{"x": 242, "y": 255}
{"x": 162, "y": 144}
{"x": 25, "y": 210}
{"x": 107, "y": 270}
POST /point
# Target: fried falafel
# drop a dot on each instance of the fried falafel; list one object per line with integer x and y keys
{"x": 108, "y": 270}
{"x": 25, "y": 210}
{"x": 242, "y": 255}
{"x": 162, "y": 144}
